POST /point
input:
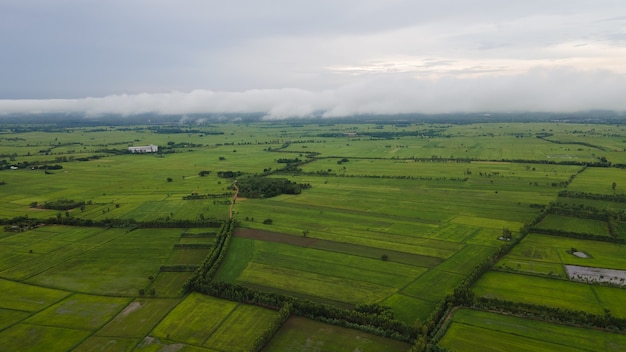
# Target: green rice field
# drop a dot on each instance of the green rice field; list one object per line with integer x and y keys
{"x": 483, "y": 331}
{"x": 398, "y": 214}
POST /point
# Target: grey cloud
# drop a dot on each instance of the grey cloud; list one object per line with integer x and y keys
{"x": 249, "y": 51}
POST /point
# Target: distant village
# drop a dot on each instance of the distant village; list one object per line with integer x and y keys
{"x": 144, "y": 149}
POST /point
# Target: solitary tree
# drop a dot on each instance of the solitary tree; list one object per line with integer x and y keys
{"x": 613, "y": 186}
{"x": 169, "y": 179}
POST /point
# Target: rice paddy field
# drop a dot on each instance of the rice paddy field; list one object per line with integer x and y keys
{"x": 483, "y": 331}
{"x": 398, "y": 214}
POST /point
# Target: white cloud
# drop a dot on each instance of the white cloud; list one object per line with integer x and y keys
{"x": 559, "y": 89}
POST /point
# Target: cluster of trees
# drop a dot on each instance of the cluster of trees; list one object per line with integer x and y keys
{"x": 198, "y": 235}
{"x": 193, "y": 246}
{"x": 229, "y": 174}
{"x": 170, "y": 130}
{"x": 131, "y": 224}
{"x": 266, "y": 187}
{"x": 553, "y": 314}
{"x": 195, "y": 196}
{"x": 621, "y": 198}
{"x": 404, "y": 177}
{"x": 288, "y": 160}
{"x": 211, "y": 263}
{"x": 181, "y": 223}
{"x": 179, "y": 268}
{"x": 60, "y": 204}
{"x": 580, "y": 235}
{"x": 43, "y": 165}
{"x": 266, "y": 335}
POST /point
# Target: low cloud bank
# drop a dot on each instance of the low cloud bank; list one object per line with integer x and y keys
{"x": 539, "y": 90}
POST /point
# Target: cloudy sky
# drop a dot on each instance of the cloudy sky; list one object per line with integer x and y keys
{"x": 296, "y": 58}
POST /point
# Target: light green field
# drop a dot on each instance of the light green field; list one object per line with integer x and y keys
{"x": 28, "y": 337}
{"x": 78, "y": 311}
{"x": 572, "y": 224}
{"x": 324, "y": 286}
{"x": 600, "y": 181}
{"x": 550, "y": 292}
{"x": 119, "y": 265}
{"x": 27, "y": 298}
{"x": 138, "y": 318}
{"x": 240, "y": 329}
{"x": 106, "y": 344}
{"x": 408, "y": 309}
{"x": 538, "y": 253}
{"x": 507, "y": 333}
{"x": 213, "y": 323}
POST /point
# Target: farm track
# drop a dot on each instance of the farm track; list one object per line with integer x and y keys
{"x": 232, "y": 203}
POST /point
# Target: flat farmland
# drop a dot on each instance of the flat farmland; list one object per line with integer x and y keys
{"x": 551, "y": 292}
{"x": 508, "y": 333}
{"x": 451, "y": 226}
{"x": 537, "y": 251}
{"x": 600, "y": 181}
{"x": 138, "y": 318}
{"x": 133, "y": 186}
{"x": 121, "y": 265}
{"x": 300, "y": 334}
{"x": 232, "y": 327}
{"x": 398, "y": 214}
{"x": 82, "y": 312}
{"x": 572, "y": 224}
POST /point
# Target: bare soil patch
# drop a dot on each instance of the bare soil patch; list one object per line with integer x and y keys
{"x": 130, "y": 308}
{"x": 269, "y": 236}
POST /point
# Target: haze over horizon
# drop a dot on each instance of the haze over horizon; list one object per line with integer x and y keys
{"x": 298, "y": 59}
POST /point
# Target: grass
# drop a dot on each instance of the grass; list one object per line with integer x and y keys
{"x": 29, "y": 337}
{"x": 572, "y": 224}
{"x": 188, "y": 323}
{"x": 82, "y": 312}
{"x": 408, "y": 309}
{"x": 433, "y": 221}
{"x": 239, "y": 254}
{"x": 545, "y": 250}
{"x": 239, "y": 331}
{"x": 169, "y": 284}
{"x": 300, "y": 334}
{"x": 433, "y": 285}
{"x": 106, "y": 344}
{"x": 121, "y": 265}
{"x": 538, "y": 290}
{"x": 600, "y": 181}
{"x": 502, "y": 332}
{"x": 28, "y": 298}
{"x": 9, "y": 317}
{"x": 325, "y": 286}
{"x": 138, "y": 318}
{"x": 231, "y": 326}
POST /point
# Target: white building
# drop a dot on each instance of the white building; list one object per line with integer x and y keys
{"x": 144, "y": 149}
